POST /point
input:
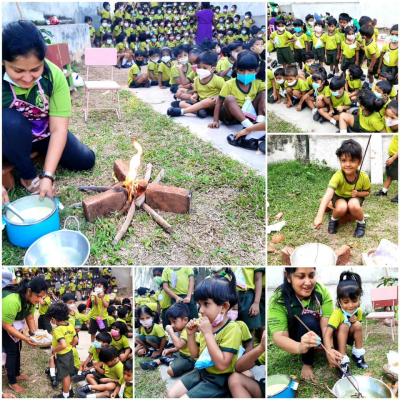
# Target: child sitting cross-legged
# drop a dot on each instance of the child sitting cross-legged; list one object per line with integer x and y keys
{"x": 104, "y": 381}
{"x": 120, "y": 341}
{"x": 178, "y": 316}
{"x": 295, "y": 87}
{"x": 136, "y": 78}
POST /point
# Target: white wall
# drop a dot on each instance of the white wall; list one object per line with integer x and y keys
{"x": 124, "y": 277}
{"x": 330, "y": 278}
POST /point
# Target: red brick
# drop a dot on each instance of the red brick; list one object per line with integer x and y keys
{"x": 168, "y": 198}
{"x": 121, "y": 169}
{"x": 103, "y": 204}
{"x": 343, "y": 255}
{"x": 286, "y": 254}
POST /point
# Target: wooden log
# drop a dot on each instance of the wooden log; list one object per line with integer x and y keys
{"x": 147, "y": 175}
{"x": 157, "y": 217}
{"x": 76, "y": 205}
{"x": 95, "y": 188}
{"x": 126, "y": 224}
{"x": 159, "y": 177}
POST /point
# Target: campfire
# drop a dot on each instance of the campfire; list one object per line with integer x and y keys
{"x": 130, "y": 193}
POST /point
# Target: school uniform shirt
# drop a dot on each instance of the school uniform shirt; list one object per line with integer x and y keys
{"x": 94, "y": 353}
{"x": 43, "y": 309}
{"x": 156, "y": 330}
{"x": 105, "y": 14}
{"x": 89, "y": 275}
{"x": 165, "y": 70}
{"x": 343, "y": 187}
{"x": 246, "y": 335}
{"x": 223, "y": 64}
{"x": 171, "y": 44}
{"x": 278, "y": 313}
{"x": 341, "y": 35}
{"x": 349, "y": 50}
{"x": 309, "y": 83}
{"x": 300, "y": 41}
{"x": 102, "y": 31}
{"x": 48, "y": 276}
{"x": 232, "y": 87}
{"x": 115, "y": 372}
{"x": 248, "y": 274}
{"x": 80, "y": 287}
{"x": 117, "y": 30}
{"x": 382, "y": 111}
{"x": 325, "y": 91}
{"x": 280, "y": 40}
{"x": 164, "y": 300}
{"x": 185, "y": 349}
{"x": 128, "y": 392}
{"x": 183, "y": 274}
{"x": 245, "y": 38}
{"x": 92, "y": 31}
{"x": 97, "y": 309}
{"x": 134, "y": 71}
{"x": 393, "y": 146}
{"x": 175, "y": 73}
{"x": 391, "y": 95}
{"x": 337, "y": 318}
{"x": 72, "y": 287}
{"x": 228, "y": 339}
{"x": 118, "y": 14}
{"x": 121, "y": 343}
{"x": 82, "y": 318}
{"x": 120, "y": 47}
{"x": 142, "y": 300}
{"x": 391, "y": 59}
{"x": 300, "y": 85}
{"x": 354, "y": 84}
{"x": 372, "y": 49}
{"x": 343, "y": 100}
{"x": 270, "y": 78}
{"x": 320, "y": 40}
{"x": 64, "y": 331}
{"x": 331, "y": 41}
{"x": 77, "y": 361}
{"x": 110, "y": 320}
{"x": 376, "y": 33}
{"x": 371, "y": 123}
{"x": 62, "y": 290}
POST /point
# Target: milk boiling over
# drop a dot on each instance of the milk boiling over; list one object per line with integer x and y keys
{"x": 32, "y": 214}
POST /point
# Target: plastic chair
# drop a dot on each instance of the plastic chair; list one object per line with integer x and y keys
{"x": 382, "y": 297}
{"x": 101, "y": 57}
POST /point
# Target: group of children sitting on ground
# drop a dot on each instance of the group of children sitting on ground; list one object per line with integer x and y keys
{"x": 213, "y": 333}
{"x": 347, "y": 42}
{"x": 108, "y": 366}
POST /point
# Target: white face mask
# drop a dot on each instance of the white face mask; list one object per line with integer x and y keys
{"x": 203, "y": 73}
{"x": 389, "y": 122}
{"x": 7, "y": 78}
{"x": 109, "y": 41}
{"x": 104, "y": 25}
{"x": 165, "y": 58}
{"x": 280, "y": 81}
{"x": 54, "y": 326}
{"x": 216, "y": 269}
{"x": 126, "y": 24}
{"x": 98, "y": 290}
{"x": 71, "y": 306}
{"x": 347, "y": 72}
{"x": 292, "y": 83}
{"x": 351, "y": 37}
{"x": 155, "y": 60}
{"x": 234, "y": 55}
{"x": 318, "y": 29}
{"x": 280, "y": 28}
{"x": 131, "y": 381}
{"x": 311, "y": 23}
{"x": 309, "y": 64}
{"x": 183, "y": 60}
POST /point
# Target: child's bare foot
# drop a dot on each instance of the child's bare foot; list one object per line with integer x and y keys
{"x": 307, "y": 372}
{"x": 17, "y": 388}
{"x": 279, "y": 101}
{"x": 285, "y": 101}
{"x": 289, "y": 104}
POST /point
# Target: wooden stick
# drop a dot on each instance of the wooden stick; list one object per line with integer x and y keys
{"x": 147, "y": 175}
{"x": 140, "y": 200}
{"x": 95, "y": 188}
{"x": 126, "y": 224}
{"x": 19, "y": 10}
{"x": 362, "y": 161}
{"x": 157, "y": 217}
{"x": 76, "y": 205}
{"x": 159, "y": 176}
{"x": 345, "y": 374}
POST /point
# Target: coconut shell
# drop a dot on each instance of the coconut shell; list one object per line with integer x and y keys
{"x": 278, "y": 238}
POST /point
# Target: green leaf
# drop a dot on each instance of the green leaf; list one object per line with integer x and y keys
{"x": 48, "y": 33}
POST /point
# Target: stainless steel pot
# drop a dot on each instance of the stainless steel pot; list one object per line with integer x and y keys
{"x": 313, "y": 255}
{"x": 369, "y": 387}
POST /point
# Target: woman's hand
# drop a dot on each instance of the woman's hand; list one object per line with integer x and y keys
{"x": 46, "y": 188}
{"x": 30, "y": 342}
{"x": 243, "y": 132}
{"x": 4, "y": 195}
{"x": 308, "y": 341}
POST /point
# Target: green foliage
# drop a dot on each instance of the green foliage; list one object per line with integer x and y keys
{"x": 46, "y": 35}
{"x": 388, "y": 281}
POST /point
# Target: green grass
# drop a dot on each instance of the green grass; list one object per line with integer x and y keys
{"x": 281, "y": 362}
{"x": 227, "y": 219}
{"x": 278, "y": 125}
{"x": 309, "y": 182}
{"x": 148, "y": 384}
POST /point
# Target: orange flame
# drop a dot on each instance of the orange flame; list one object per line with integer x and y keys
{"x": 131, "y": 181}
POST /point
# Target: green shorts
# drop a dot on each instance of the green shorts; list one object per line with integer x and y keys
{"x": 182, "y": 364}
{"x": 165, "y": 83}
{"x": 202, "y": 384}
{"x": 285, "y": 55}
{"x": 356, "y": 126}
{"x": 375, "y": 69}
{"x": 261, "y": 383}
{"x": 361, "y": 57}
{"x": 94, "y": 327}
{"x": 135, "y": 85}
{"x": 44, "y": 323}
{"x": 319, "y": 54}
{"x": 224, "y": 118}
{"x": 299, "y": 55}
{"x": 65, "y": 365}
{"x": 346, "y": 62}
{"x": 331, "y": 57}
{"x": 392, "y": 70}
{"x": 392, "y": 170}
{"x": 335, "y": 198}
{"x": 262, "y": 307}
{"x": 246, "y": 299}
{"x": 270, "y": 98}
{"x": 150, "y": 338}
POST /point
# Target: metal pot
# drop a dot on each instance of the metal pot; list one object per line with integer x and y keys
{"x": 64, "y": 247}
{"x": 313, "y": 255}
{"x": 369, "y": 388}
{"x": 284, "y": 384}
{"x": 24, "y": 234}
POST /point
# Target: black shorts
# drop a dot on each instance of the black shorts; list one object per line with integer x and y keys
{"x": 65, "y": 365}
{"x": 319, "y": 54}
{"x": 331, "y": 57}
{"x": 94, "y": 327}
{"x": 375, "y": 69}
{"x": 299, "y": 55}
{"x": 285, "y": 55}
{"x": 335, "y": 198}
{"x": 44, "y": 323}
{"x": 346, "y": 62}
{"x": 392, "y": 170}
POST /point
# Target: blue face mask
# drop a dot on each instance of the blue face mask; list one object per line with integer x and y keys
{"x": 348, "y": 315}
{"x": 97, "y": 345}
{"x": 378, "y": 95}
{"x": 263, "y": 30}
{"x": 336, "y": 94}
{"x": 316, "y": 85}
{"x": 185, "y": 23}
{"x": 394, "y": 39}
{"x": 246, "y": 78}
{"x": 8, "y": 79}
{"x": 297, "y": 30}
{"x": 243, "y": 32}
{"x": 154, "y": 40}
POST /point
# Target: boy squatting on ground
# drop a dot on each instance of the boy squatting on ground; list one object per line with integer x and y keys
{"x": 347, "y": 189}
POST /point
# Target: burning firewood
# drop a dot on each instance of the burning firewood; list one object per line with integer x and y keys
{"x": 157, "y": 217}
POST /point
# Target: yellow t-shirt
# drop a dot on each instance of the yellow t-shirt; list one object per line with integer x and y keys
{"x": 128, "y": 392}
{"x": 77, "y": 362}
{"x": 210, "y": 89}
{"x": 391, "y": 95}
{"x": 43, "y": 309}
{"x": 72, "y": 287}
{"x": 270, "y": 78}
{"x": 261, "y": 360}
{"x": 97, "y": 309}
{"x": 320, "y": 40}
{"x": 343, "y": 187}
{"x": 371, "y": 49}
{"x": 183, "y": 274}
{"x": 164, "y": 299}
{"x": 105, "y": 14}
{"x": 344, "y": 100}
{"x": 115, "y": 372}
{"x": 393, "y": 146}
{"x": 393, "y": 55}
{"x": 156, "y": 330}
{"x": 354, "y": 84}
{"x": 153, "y": 67}
{"x": 300, "y": 85}
{"x": 175, "y": 73}
{"x": 184, "y": 350}
{"x": 165, "y": 70}
{"x": 337, "y": 318}
{"x": 331, "y": 41}
{"x": 280, "y": 40}
{"x": 133, "y": 72}
{"x": 371, "y": 123}
{"x": 82, "y": 318}
{"x": 121, "y": 343}
{"x": 223, "y": 64}
{"x": 246, "y": 335}
{"x": 94, "y": 353}
{"x": 232, "y": 87}
{"x": 120, "y": 47}
{"x": 142, "y": 300}
{"x": 349, "y": 50}
{"x": 300, "y": 42}
{"x": 66, "y": 332}
{"x": 110, "y": 320}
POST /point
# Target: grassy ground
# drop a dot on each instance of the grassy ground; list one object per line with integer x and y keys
{"x": 278, "y": 125}
{"x": 308, "y": 183}
{"x": 148, "y": 384}
{"x": 226, "y": 223}
{"x": 376, "y": 347}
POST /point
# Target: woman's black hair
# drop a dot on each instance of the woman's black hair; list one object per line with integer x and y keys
{"x": 320, "y": 75}
{"x": 385, "y": 86}
{"x": 285, "y": 293}
{"x": 394, "y": 28}
{"x": 122, "y": 312}
{"x": 205, "y": 5}
{"x": 102, "y": 281}
{"x": 178, "y": 310}
{"x": 147, "y": 310}
{"x": 59, "y": 311}
{"x": 331, "y": 21}
{"x": 350, "y": 148}
{"x": 309, "y": 16}
{"x": 108, "y": 353}
{"x": 369, "y": 101}
{"x": 349, "y": 286}
{"x": 128, "y": 366}
{"x": 337, "y": 83}
{"x": 355, "y": 71}
{"x": 82, "y": 307}
{"x": 247, "y": 59}
{"x": 394, "y": 105}
{"x": 37, "y": 285}
{"x": 121, "y": 326}
{"x": 208, "y": 58}
{"x": 218, "y": 288}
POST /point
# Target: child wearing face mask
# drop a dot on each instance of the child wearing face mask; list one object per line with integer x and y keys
{"x": 278, "y": 86}
{"x": 100, "y": 302}
{"x": 82, "y": 317}
{"x": 117, "y": 27}
{"x": 92, "y": 30}
{"x": 295, "y": 88}
{"x": 119, "y": 340}
{"x": 98, "y": 41}
{"x": 151, "y": 341}
{"x": 349, "y": 53}
{"x": 108, "y": 42}
{"x": 64, "y": 339}
{"x": 69, "y": 300}
{"x": 391, "y": 118}
{"x": 225, "y": 64}
{"x": 319, "y": 40}
{"x": 105, "y": 12}
{"x": 247, "y": 340}
{"x": 372, "y": 52}
{"x": 282, "y": 38}
{"x": 137, "y": 78}
{"x": 72, "y": 286}
{"x": 319, "y": 94}
{"x": 310, "y": 22}
{"x": 164, "y": 68}
{"x": 382, "y": 91}
{"x": 218, "y": 339}
{"x": 124, "y": 388}
{"x": 122, "y": 314}
{"x": 309, "y": 60}
{"x": 112, "y": 315}
{"x": 390, "y": 54}
{"x": 353, "y": 84}
{"x": 181, "y": 71}
{"x": 344, "y": 325}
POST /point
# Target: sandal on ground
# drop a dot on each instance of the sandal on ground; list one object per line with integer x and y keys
{"x": 34, "y": 186}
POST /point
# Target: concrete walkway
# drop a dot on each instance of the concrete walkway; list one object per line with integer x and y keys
{"x": 161, "y": 99}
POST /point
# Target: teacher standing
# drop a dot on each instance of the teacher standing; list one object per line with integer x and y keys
{"x": 36, "y": 111}
{"x": 206, "y": 20}
{"x": 301, "y": 295}
{"x": 18, "y": 307}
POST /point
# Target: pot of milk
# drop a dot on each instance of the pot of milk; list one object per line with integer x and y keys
{"x": 42, "y": 218}
{"x": 281, "y": 386}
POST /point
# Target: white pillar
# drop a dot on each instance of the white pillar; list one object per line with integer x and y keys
{"x": 376, "y": 157}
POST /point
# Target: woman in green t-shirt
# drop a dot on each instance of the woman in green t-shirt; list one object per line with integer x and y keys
{"x": 300, "y": 295}
{"x": 36, "y": 111}
{"x": 18, "y": 308}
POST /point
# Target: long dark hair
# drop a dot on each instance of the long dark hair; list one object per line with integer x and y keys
{"x": 285, "y": 292}
{"x": 36, "y": 285}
